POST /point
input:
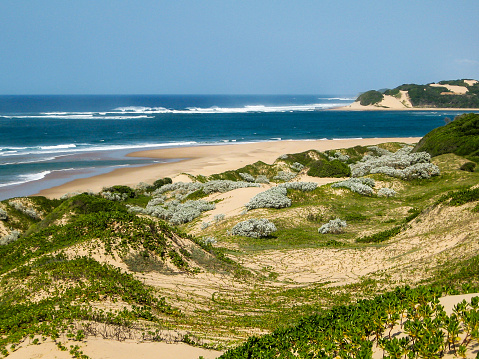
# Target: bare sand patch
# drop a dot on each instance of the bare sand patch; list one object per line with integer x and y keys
{"x": 457, "y": 90}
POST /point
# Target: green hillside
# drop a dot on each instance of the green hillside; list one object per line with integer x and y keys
{"x": 429, "y": 96}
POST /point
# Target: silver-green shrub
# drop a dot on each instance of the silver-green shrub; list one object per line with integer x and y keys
{"x": 358, "y": 185}
{"x": 3, "y": 215}
{"x": 272, "y": 198}
{"x": 284, "y": 176}
{"x": 338, "y": 156}
{"x": 386, "y": 192}
{"x": 205, "y": 225}
{"x": 301, "y": 186}
{"x": 114, "y": 196}
{"x": 219, "y": 217}
{"x": 174, "y": 211}
{"x": 261, "y": 179}
{"x": 401, "y": 164}
{"x": 223, "y": 186}
{"x": 296, "y": 166}
{"x": 9, "y": 238}
{"x": 209, "y": 240}
{"x": 247, "y": 177}
{"x": 29, "y": 211}
{"x": 255, "y": 228}
{"x": 334, "y": 226}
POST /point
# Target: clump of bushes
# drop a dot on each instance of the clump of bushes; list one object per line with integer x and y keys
{"x": 161, "y": 182}
{"x": 261, "y": 179}
{"x": 174, "y": 211}
{"x": 301, "y": 186}
{"x": 334, "y": 226}
{"x": 386, "y": 192}
{"x": 246, "y": 176}
{"x": 402, "y": 164}
{"x": 325, "y": 168}
{"x": 272, "y": 198}
{"x": 3, "y": 215}
{"x": 380, "y": 236}
{"x": 296, "y": 166}
{"x": 9, "y": 238}
{"x": 370, "y": 98}
{"x": 336, "y": 155}
{"x": 284, "y": 176}
{"x": 29, "y": 211}
{"x": 118, "y": 193}
{"x": 254, "y": 228}
{"x": 362, "y": 186}
{"x": 468, "y": 167}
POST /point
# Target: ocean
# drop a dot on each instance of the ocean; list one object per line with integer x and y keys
{"x": 48, "y": 140}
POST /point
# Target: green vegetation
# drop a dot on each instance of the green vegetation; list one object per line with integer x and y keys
{"x": 460, "y": 137}
{"x": 429, "y": 96}
{"x": 370, "y": 98}
{"x": 324, "y": 168}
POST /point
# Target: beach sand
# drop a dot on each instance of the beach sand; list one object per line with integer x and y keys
{"x": 205, "y": 160}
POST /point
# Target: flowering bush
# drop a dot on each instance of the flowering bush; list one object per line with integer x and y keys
{"x": 301, "y": 186}
{"x": 386, "y": 192}
{"x": 112, "y": 196}
{"x": 273, "y": 198}
{"x": 334, "y": 226}
{"x": 254, "y": 228}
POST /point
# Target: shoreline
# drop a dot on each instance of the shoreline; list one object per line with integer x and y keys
{"x": 205, "y": 160}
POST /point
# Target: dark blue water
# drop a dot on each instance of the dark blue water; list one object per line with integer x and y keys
{"x": 42, "y": 135}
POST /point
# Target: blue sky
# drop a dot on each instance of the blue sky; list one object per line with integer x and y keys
{"x": 233, "y": 47}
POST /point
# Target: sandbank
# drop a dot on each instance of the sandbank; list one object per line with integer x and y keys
{"x": 205, "y": 160}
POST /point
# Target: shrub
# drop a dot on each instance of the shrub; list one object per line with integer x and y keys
{"x": 273, "y": 198}
{"x": 386, "y": 192}
{"x": 468, "y": 166}
{"x": 362, "y": 186}
{"x": 29, "y": 211}
{"x": 219, "y": 217}
{"x": 301, "y": 186}
{"x": 370, "y": 98}
{"x": 262, "y": 179}
{"x": 296, "y": 166}
{"x": 380, "y": 236}
{"x": 401, "y": 164}
{"x": 161, "y": 182}
{"x": 254, "y": 228}
{"x": 119, "y": 197}
{"x": 338, "y": 156}
{"x": 124, "y": 191}
{"x": 334, "y": 226}
{"x": 284, "y": 176}
{"x": 3, "y": 215}
{"x": 324, "y": 168}
{"x": 9, "y": 238}
{"x": 247, "y": 177}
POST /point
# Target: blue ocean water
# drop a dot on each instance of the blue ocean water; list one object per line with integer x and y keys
{"x": 78, "y": 136}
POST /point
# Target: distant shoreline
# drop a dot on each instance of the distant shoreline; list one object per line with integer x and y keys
{"x": 205, "y": 160}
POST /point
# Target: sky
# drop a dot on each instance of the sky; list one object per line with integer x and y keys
{"x": 233, "y": 47}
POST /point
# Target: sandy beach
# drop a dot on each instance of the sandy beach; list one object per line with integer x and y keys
{"x": 206, "y": 160}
